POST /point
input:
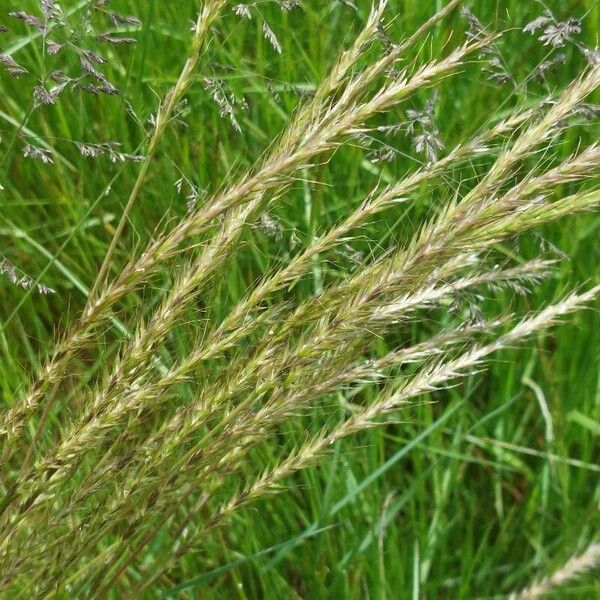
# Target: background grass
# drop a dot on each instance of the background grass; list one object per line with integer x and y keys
{"x": 473, "y": 494}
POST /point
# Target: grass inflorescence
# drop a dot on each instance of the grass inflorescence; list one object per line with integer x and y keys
{"x": 274, "y": 262}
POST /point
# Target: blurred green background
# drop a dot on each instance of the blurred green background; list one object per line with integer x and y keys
{"x": 470, "y": 495}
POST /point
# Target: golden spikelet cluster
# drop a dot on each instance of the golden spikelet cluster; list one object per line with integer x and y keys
{"x": 82, "y": 507}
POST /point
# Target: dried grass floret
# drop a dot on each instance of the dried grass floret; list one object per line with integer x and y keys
{"x": 20, "y": 279}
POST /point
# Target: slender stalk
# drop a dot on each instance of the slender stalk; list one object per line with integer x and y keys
{"x": 206, "y": 17}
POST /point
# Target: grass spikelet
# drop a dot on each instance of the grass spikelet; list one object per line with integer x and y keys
{"x": 575, "y": 567}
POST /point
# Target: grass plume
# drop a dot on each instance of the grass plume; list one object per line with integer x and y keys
{"x": 128, "y": 455}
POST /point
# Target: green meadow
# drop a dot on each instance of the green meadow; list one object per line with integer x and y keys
{"x": 476, "y": 487}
